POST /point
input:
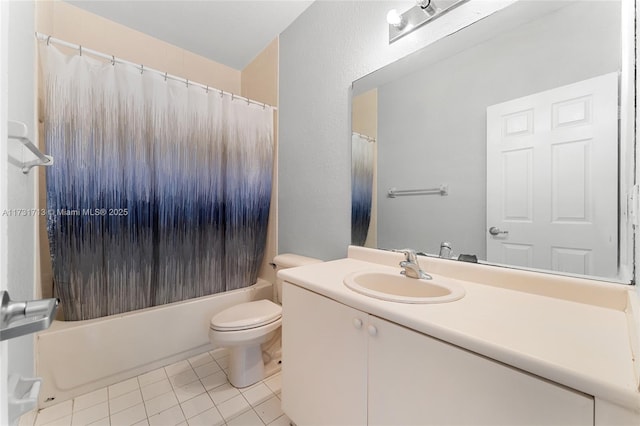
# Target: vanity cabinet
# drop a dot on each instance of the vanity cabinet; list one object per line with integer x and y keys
{"x": 342, "y": 366}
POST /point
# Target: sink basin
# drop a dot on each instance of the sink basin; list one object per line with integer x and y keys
{"x": 395, "y": 287}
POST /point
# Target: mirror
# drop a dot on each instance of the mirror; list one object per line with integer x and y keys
{"x": 503, "y": 139}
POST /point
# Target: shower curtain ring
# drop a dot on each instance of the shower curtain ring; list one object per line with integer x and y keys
{"x": 187, "y": 82}
{"x": 141, "y": 68}
{"x": 80, "y": 48}
{"x": 207, "y": 89}
{"x": 221, "y": 94}
{"x": 165, "y": 76}
{"x": 232, "y": 96}
{"x": 113, "y": 60}
{"x": 264, "y": 106}
{"x": 48, "y": 40}
{"x": 247, "y": 101}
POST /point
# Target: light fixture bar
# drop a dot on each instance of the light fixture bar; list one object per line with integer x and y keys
{"x": 417, "y": 16}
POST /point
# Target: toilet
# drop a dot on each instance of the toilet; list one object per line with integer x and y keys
{"x": 243, "y": 328}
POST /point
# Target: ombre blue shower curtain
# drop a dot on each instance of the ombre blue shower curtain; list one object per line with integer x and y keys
{"x": 159, "y": 192}
{"x": 362, "y": 165}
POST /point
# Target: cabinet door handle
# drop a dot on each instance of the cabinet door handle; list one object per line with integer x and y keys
{"x": 372, "y": 330}
{"x": 357, "y": 323}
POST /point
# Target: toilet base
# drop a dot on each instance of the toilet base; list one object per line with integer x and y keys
{"x": 246, "y": 366}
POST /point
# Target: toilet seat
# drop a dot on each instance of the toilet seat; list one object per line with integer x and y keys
{"x": 246, "y": 316}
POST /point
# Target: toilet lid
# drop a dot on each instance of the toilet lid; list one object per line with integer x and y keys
{"x": 246, "y": 315}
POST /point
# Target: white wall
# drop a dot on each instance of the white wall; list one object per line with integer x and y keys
{"x": 432, "y": 123}
{"x": 21, "y": 191}
{"x": 329, "y": 46}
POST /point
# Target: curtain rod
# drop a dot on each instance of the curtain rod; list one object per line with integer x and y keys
{"x": 368, "y": 138}
{"x": 113, "y": 59}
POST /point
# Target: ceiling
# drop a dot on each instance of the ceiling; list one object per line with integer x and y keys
{"x": 228, "y": 32}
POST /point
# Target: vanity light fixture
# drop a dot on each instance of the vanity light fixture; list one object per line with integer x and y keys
{"x": 401, "y": 24}
{"x": 395, "y": 19}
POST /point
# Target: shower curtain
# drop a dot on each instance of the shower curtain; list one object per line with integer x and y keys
{"x": 362, "y": 164}
{"x": 159, "y": 192}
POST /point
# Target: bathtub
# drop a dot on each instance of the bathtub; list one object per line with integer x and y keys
{"x": 74, "y": 358}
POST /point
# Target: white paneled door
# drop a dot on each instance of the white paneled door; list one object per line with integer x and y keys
{"x": 552, "y": 179}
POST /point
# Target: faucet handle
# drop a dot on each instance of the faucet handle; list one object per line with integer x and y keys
{"x": 410, "y": 254}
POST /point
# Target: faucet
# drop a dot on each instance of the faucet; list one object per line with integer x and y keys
{"x": 411, "y": 266}
{"x": 445, "y": 250}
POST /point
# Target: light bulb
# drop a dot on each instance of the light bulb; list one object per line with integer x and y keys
{"x": 394, "y": 18}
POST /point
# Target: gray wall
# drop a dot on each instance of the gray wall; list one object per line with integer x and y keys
{"x": 432, "y": 123}
{"x": 329, "y": 46}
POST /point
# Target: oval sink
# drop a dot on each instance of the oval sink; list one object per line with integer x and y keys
{"x": 394, "y": 287}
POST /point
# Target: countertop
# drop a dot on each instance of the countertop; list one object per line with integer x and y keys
{"x": 583, "y": 346}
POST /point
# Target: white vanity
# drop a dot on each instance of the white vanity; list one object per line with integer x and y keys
{"x": 518, "y": 348}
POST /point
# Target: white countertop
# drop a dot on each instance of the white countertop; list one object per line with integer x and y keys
{"x": 582, "y": 346}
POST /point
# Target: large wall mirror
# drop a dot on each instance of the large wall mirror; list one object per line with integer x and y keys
{"x": 511, "y": 139}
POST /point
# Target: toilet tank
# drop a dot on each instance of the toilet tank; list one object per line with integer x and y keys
{"x": 289, "y": 260}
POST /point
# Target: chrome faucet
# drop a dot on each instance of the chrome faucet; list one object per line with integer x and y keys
{"x": 445, "y": 250}
{"x": 411, "y": 265}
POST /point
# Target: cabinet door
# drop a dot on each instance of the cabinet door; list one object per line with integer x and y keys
{"x": 324, "y": 360}
{"x": 417, "y": 380}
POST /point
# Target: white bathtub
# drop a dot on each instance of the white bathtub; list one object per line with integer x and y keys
{"x": 77, "y": 357}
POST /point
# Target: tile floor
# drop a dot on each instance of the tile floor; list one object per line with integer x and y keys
{"x": 193, "y": 392}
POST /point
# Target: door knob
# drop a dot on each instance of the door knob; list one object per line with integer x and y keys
{"x": 372, "y": 330}
{"x": 494, "y": 230}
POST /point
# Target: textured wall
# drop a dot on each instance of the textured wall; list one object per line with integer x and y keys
{"x": 329, "y": 46}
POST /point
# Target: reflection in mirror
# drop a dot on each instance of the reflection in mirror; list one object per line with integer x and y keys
{"x": 518, "y": 116}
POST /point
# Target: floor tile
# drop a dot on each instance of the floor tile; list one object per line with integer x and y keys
{"x": 197, "y": 405}
{"x": 269, "y": 410}
{"x": 210, "y": 417}
{"x": 102, "y": 422}
{"x": 183, "y": 378}
{"x": 250, "y": 418}
{"x": 274, "y": 382}
{"x": 90, "y": 399}
{"x": 64, "y": 421}
{"x": 121, "y": 388}
{"x": 160, "y": 403}
{"x": 90, "y": 415}
{"x": 205, "y": 370}
{"x": 156, "y": 389}
{"x": 201, "y": 359}
{"x": 169, "y": 417}
{"x": 281, "y": 421}
{"x": 223, "y": 393}
{"x": 152, "y": 377}
{"x": 125, "y": 401}
{"x": 214, "y": 380}
{"x": 189, "y": 391}
{"x": 177, "y": 368}
{"x": 219, "y": 353}
{"x": 223, "y": 362}
{"x": 55, "y": 412}
{"x": 257, "y": 393}
{"x": 134, "y": 415}
{"x": 233, "y": 407}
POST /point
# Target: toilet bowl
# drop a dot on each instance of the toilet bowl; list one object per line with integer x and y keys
{"x": 243, "y": 328}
